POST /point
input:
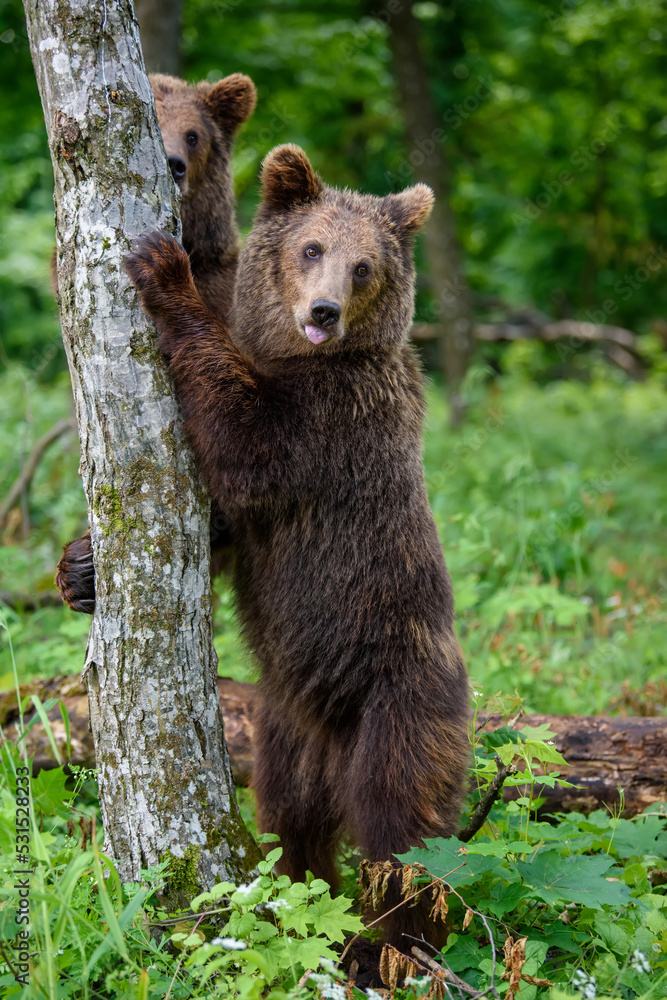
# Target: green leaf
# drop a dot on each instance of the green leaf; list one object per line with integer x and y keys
{"x": 507, "y": 752}
{"x": 318, "y": 886}
{"x": 504, "y": 898}
{"x": 308, "y": 952}
{"x": 274, "y": 856}
{"x": 577, "y": 879}
{"x": 642, "y": 836}
{"x": 441, "y": 858}
{"x": 613, "y": 934}
{"x": 297, "y": 919}
{"x": 240, "y": 925}
{"x": 538, "y": 750}
{"x": 541, "y": 733}
{"x": 331, "y": 917}
{"x": 49, "y": 794}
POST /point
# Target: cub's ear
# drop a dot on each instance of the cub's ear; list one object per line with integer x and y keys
{"x": 411, "y": 208}
{"x": 288, "y": 178}
{"x": 231, "y": 101}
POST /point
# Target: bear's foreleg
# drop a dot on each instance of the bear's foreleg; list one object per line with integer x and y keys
{"x": 235, "y": 430}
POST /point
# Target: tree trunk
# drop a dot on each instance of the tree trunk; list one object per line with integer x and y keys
{"x": 166, "y": 788}
{"x": 603, "y": 752}
{"x": 426, "y": 162}
{"x": 160, "y": 28}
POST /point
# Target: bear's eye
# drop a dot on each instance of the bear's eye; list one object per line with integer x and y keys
{"x": 361, "y": 270}
{"x": 191, "y": 138}
{"x": 312, "y": 252}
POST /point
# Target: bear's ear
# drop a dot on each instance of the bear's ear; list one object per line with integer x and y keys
{"x": 411, "y": 208}
{"x": 231, "y": 101}
{"x": 288, "y": 178}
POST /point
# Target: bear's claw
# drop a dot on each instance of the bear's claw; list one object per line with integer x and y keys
{"x": 157, "y": 265}
{"x": 75, "y": 577}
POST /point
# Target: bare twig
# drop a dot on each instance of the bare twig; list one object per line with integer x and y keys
{"x": 492, "y": 988}
{"x": 304, "y": 979}
{"x": 478, "y": 818}
{"x": 22, "y": 484}
{"x": 443, "y": 975}
{"x": 8, "y": 963}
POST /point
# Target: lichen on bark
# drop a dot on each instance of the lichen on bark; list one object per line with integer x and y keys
{"x": 165, "y": 780}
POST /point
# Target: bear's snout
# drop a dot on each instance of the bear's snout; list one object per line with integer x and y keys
{"x": 325, "y": 313}
{"x": 178, "y": 168}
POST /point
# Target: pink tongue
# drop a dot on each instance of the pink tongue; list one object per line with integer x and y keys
{"x": 315, "y": 335}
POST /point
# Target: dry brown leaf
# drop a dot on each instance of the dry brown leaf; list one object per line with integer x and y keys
{"x": 467, "y": 920}
{"x": 409, "y": 874}
{"x": 507, "y": 952}
{"x": 515, "y": 957}
{"x": 395, "y": 966}
{"x": 440, "y": 906}
{"x": 534, "y": 981}
{"x": 374, "y": 878}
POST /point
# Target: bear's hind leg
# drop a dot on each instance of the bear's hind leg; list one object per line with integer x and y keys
{"x": 294, "y": 799}
{"x": 406, "y": 782}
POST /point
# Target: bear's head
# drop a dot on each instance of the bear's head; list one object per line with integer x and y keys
{"x": 325, "y": 270}
{"x": 198, "y": 124}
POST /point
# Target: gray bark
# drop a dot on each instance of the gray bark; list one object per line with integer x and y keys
{"x": 166, "y": 788}
{"x": 441, "y": 246}
{"x": 160, "y": 28}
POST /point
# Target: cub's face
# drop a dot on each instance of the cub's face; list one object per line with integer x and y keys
{"x": 324, "y": 270}
{"x": 199, "y": 123}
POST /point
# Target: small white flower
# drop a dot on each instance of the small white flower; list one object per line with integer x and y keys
{"x": 231, "y": 944}
{"x": 550, "y": 743}
{"x": 245, "y": 890}
{"x": 419, "y": 982}
{"x": 336, "y": 991}
{"x": 329, "y": 965}
{"x": 639, "y": 962}
{"x": 373, "y": 994}
{"x": 585, "y": 984}
{"x": 278, "y": 904}
{"x": 319, "y": 979}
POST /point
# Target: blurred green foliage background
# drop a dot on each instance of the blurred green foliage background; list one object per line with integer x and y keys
{"x": 550, "y": 498}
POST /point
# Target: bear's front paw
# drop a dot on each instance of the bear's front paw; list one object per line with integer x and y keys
{"x": 159, "y": 269}
{"x": 75, "y": 578}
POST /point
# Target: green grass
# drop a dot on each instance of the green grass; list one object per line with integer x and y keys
{"x": 550, "y": 506}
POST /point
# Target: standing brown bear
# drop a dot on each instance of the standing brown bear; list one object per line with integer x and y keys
{"x": 198, "y": 123}
{"x": 306, "y": 422}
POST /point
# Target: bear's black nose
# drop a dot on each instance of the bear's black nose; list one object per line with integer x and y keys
{"x": 177, "y": 167}
{"x": 325, "y": 313}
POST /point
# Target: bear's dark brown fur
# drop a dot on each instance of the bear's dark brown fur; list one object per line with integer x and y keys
{"x": 307, "y": 428}
{"x": 198, "y": 124}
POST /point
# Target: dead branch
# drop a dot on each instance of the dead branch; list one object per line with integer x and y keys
{"x": 483, "y": 808}
{"x": 22, "y": 484}
{"x": 31, "y": 602}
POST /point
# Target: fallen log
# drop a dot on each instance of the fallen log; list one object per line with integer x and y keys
{"x": 621, "y": 345}
{"x": 603, "y": 752}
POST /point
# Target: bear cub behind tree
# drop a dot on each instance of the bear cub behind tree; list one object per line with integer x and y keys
{"x": 306, "y": 423}
{"x": 198, "y": 123}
